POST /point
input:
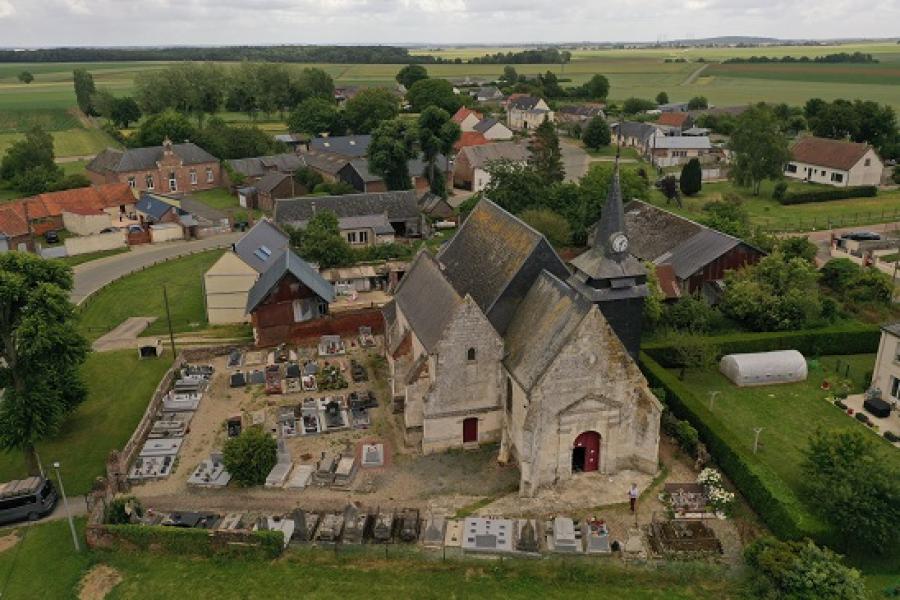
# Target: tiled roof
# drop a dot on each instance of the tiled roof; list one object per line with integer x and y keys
{"x": 460, "y": 115}
{"x": 470, "y": 138}
{"x": 85, "y": 200}
{"x": 11, "y": 224}
{"x": 258, "y": 166}
{"x": 523, "y": 102}
{"x": 142, "y": 159}
{"x": 836, "y": 154}
{"x": 288, "y": 262}
{"x": 480, "y": 156}
{"x": 673, "y": 119}
{"x": 679, "y": 142}
{"x": 324, "y": 161}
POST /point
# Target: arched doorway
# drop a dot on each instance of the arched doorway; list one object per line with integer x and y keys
{"x": 586, "y": 452}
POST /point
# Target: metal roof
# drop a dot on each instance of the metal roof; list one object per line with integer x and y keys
{"x": 697, "y": 251}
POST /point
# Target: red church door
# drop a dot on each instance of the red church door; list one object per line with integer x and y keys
{"x": 586, "y": 452}
{"x": 470, "y": 430}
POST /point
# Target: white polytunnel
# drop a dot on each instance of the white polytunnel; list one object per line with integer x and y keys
{"x": 764, "y": 368}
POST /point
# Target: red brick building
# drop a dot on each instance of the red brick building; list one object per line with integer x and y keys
{"x": 170, "y": 168}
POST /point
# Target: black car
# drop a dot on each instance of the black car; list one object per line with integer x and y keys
{"x": 862, "y": 236}
{"x": 52, "y": 237}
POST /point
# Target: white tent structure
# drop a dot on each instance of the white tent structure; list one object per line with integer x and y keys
{"x": 764, "y": 368}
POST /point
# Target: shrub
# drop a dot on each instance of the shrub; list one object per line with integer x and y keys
{"x": 779, "y": 191}
{"x": 121, "y": 510}
{"x": 830, "y": 193}
{"x": 596, "y": 134}
{"x": 691, "y": 179}
{"x": 690, "y": 314}
{"x": 687, "y": 437}
{"x": 250, "y": 456}
{"x": 264, "y": 545}
{"x": 552, "y": 225}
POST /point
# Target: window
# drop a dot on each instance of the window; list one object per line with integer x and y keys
{"x": 302, "y": 311}
{"x": 193, "y": 176}
{"x": 209, "y": 175}
{"x": 897, "y": 353}
{"x": 323, "y": 308}
{"x": 868, "y": 162}
{"x": 351, "y": 237}
{"x": 837, "y": 177}
{"x": 791, "y": 168}
{"x": 131, "y": 182}
{"x": 363, "y": 237}
{"x": 173, "y": 183}
{"x": 895, "y": 388}
{"x": 509, "y": 395}
{"x": 149, "y": 182}
{"x": 470, "y": 354}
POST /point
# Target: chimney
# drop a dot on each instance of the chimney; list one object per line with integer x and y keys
{"x": 167, "y": 146}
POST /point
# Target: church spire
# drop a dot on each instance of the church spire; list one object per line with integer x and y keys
{"x": 611, "y": 234}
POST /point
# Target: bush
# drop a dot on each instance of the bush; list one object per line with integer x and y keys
{"x": 596, "y": 134}
{"x": 691, "y": 179}
{"x": 263, "y": 545}
{"x": 687, "y": 437}
{"x": 830, "y": 193}
{"x": 779, "y": 191}
{"x": 552, "y": 225}
{"x": 121, "y": 510}
{"x": 250, "y": 456}
{"x": 690, "y": 314}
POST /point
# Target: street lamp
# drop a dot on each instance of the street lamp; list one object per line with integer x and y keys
{"x": 66, "y": 504}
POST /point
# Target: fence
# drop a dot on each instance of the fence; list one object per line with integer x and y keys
{"x": 822, "y": 222}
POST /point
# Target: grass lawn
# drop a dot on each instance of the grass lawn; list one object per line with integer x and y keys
{"x": 218, "y": 198}
{"x": 45, "y": 558}
{"x": 141, "y": 295}
{"x": 89, "y": 256}
{"x": 119, "y": 388}
{"x": 76, "y": 141}
{"x": 611, "y": 151}
{"x": 769, "y": 214}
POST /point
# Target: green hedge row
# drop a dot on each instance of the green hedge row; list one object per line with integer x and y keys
{"x": 821, "y": 195}
{"x": 773, "y": 501}
{"x": 198, "y": 542}
{"x": 845, "y": 339}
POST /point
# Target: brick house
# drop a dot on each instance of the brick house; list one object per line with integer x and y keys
{"x": 170, "y": 168}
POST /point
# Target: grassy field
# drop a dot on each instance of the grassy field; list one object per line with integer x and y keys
{"x": 119, "y": 387}
{"x": 83, "y": 258}
{"x": 77, "y": 141}
{"x": 769, "y": 214}
{"x": 141, "y": 295}
{"x": 217, "y": 198}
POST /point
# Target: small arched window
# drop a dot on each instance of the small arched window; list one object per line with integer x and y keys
{"x": 470, "y": 354}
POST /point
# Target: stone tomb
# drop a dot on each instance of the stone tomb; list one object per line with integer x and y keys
{"x": 486, "y": 534}
{"x": 373, "y": 455}
{"x": 453, "y": 537}
{"x": 210, "y": 473}
{"x": 300, "y": 477}
{"x": 563, "y": 536}
{"x": 433, "y": 534}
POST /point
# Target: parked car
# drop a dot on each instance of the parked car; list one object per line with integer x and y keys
{"x": 30, "y": 498}
{"x": 109, "y": 230}
{"x": 52, "y": 237}
{"x": 135, "y": 229}
{"x": 862, "y": 236}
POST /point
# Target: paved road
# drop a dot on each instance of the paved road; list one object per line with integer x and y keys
{"x": 93, "y": 275}
{"x": 575, "y": 160}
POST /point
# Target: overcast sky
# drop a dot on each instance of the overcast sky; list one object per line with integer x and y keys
{"x": 169, "y": 22}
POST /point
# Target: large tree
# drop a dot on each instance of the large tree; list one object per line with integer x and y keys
{"x": 124, "y": 111}
{"x": 84, "y": 90}
{"x": 760, "y": 148}
{"x": 316, "y": 116}
{"x": 321, "y": 241}
{"x": 433, "y": 92}
{"x": 28, "y": 164}
{"x": 311, "y": 82}
{"x": 691, "y": 179}
{"x": 596, "y": 88}
{"x": 167, "y": 124}
{"x": 546, "y": 155}
{"x": 364, "y": 111}
{"x": 410, "y": 74}
{"x": 195, "y": 89}
{"x": 437, "y": 134}
{"x": 41, "y": 352}
{"x": 596, "y": 134}
{"x": 854, "y": 488}
{"x": 390, "y": 151}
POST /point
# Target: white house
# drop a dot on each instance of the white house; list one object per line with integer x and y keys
{"x": 527, "y": 112}
{"x": 834, "y": 162}
{"x": 671, "y": 151}
{"x": 466, "y": 118}
{"x": 886, "y": 375}
{"x": 493, "y": 130}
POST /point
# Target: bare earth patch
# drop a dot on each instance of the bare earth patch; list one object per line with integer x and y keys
{"x": 98, "y": 582}
{"x": 8, "y": 541}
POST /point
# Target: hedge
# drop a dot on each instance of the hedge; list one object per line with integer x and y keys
{"x": 198, "y": 542}
{"x": 845, "y": 339}
{"x": 825, "y": 194}
{"x": 773, "y": 501}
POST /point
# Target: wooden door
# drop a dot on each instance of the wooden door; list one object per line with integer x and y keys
{"x": 470, "y": 430}
{"x": 590, "y": 442}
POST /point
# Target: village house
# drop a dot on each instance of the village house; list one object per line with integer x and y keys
{"x": 487, "y": 341}
{"x": 527, "y": 112}
{"x": 470, "y": 168}
{"x": 493, "y": 130}
{"x": 364, "y": 219}
{"x": 165, "y": 219}
{"x": 673, "y": 123}
{"x": 170, "y": 168}
{"x": 671, "y": 150}
{"x": 634, "y": 134}
{"x": 289, "y": 293}
{"x": 267, "y": 189}
{"x": 264, "y": 179}
{"x": 466, "y": 118}
{"x": 14, "y": 232}
{"x": 834, "y": 162}
{"x": 469, "y": 138}
{"x": 487, "y": 94}
{"x": 579, "y": 114}
{"x": 886, "y": 375}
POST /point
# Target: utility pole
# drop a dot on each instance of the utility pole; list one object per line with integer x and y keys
{"x": 169, "y": 319}
{"x": 756, "y": 430}
{"x": 66, "y": 504}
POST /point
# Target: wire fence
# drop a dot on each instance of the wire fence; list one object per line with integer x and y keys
{"x": 824, "y": 222}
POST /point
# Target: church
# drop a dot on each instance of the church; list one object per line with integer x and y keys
{"x": 496, "y": 339}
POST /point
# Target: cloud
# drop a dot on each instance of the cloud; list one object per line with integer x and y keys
{"x": 6, "y": 8}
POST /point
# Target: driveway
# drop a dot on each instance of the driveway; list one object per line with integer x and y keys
{"x": 575, "y": 160}
{"x": 93, "y": 275}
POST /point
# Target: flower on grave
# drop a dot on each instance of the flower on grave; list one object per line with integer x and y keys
{"x": 709, "y": 477}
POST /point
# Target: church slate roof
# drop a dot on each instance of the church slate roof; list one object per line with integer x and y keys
{"x": 495, "y": 257}
{"x": 426, "y": 299}
{"x": 543, "y": 324}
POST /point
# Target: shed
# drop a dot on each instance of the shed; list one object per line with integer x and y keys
{"x": 764, "y": 368}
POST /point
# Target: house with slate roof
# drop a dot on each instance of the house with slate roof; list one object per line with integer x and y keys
{"x": 170, "y": 168}
{"x": 834, "y": 162}
{"x": 527, "y": 112}
{"x": 493, "y": 130}
{"x": 364, "y": 219}
{"x": 470, "y": 170}
{"x": 488, "y": 341}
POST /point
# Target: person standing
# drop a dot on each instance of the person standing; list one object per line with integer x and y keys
{"x": 633, "y": 496}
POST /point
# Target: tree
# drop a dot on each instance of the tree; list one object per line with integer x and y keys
{"x": 84, "y": 90}
{"x": 509, "y": 76}
{"x": 311, "y": 82}
{"x": 370, "y": 107}
{"x": 26, "y": 77}
{"x": 390, "y": 151}
{"x": 691, "y": 178}
{"x": 437, "y": 134}
{"x": 433, "y": 92}
{"x": 308, "y": 178}
{"x": 698, "y": 103}
{"x": 853, "y": 488}
{"x": 654, "y": 302}
{"x": 839, "y": 273}
{"x": 728, "y": 216}
{"x": 195, "y": 89}
{"x": 316, "y": 116}
{"x": 813, "y": 108}
{"x": 837, "y": 120}
{"x": 123, "y": 111}
{"x": 760, "y": 148}
{"x": 662, "y": 98}
{"x": 167, "y": 124}
{"x": 410, "y": 74}
{"x": 321, "y": 241}
{"x": 668, "y": 185}
{"x": 234, "y": 141}
{"x": 801, "y": 571}
{"x": 596, "y": 134}
{"x": 633, "y": 106}
{"x": 250, "y": 456}
{"x": 690, "y": 313}
{"x": 545, "y": 153}
{"x": 514, "y": 186}
{"x": 552, "y": 225}
{"x": 799, "y": 247}
{"x": 28, "y": 164}
{"x": 597, "y": 87}
{"x": 41, "y": 352}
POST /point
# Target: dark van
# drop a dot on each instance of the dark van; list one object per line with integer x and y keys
{"x": 30, "y": 498}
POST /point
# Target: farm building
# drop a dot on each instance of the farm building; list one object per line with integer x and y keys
{"x": 764, "y": 368}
